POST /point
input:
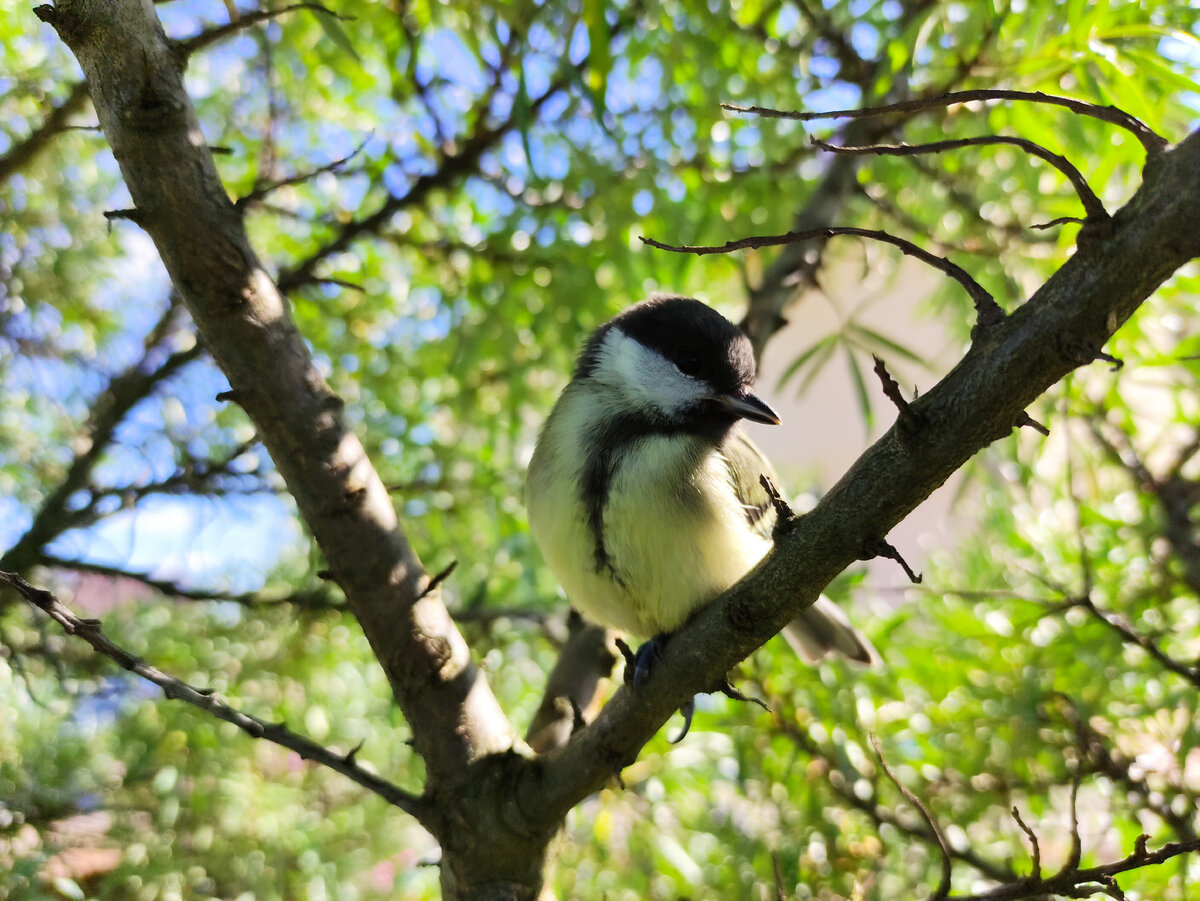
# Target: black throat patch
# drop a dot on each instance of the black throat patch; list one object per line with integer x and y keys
{"x": 607, "y": 446}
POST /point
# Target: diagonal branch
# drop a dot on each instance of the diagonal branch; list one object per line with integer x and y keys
{"x": 1154, "y": 143}
{"x": 879, "y": 814}
{"x": 943, "y": 888}
{"x": 90, "y": 631}
{"x": 989, "y": 312}
{"x": 1131, "y": 636}
{"x": 1091, "y": 203}
{"x": 188, "y": 46}
{"x": 17, "y": 156}
{"x": 124, "y": 392}
{"x": 315, "y": 599}
{"x": 265, "y": 188}
{"x": 450, "y": 168}
{"x": 244, "y": 321}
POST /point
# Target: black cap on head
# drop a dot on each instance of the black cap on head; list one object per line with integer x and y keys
{"x": 695, "y": 337}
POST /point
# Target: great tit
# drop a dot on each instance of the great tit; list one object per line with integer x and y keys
{"x": 644, "y": 494}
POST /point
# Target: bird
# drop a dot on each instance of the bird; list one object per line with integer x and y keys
{"x": 643, "y": 492}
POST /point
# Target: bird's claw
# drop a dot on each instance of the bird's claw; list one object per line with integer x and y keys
{"x": 638, "y": 665}
{"x": 688, "y": 708}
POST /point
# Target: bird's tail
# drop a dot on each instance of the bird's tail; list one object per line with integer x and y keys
{"x": 823, "y": 628}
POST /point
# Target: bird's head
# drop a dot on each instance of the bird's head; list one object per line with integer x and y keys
{"x": 675, "y": 361}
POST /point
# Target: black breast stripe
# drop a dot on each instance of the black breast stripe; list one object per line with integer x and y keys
{"x": 606, "y": 448}
{"x": 609, "y": 443}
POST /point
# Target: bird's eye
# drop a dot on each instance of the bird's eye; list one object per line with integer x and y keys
{"x": 688, "y": 363}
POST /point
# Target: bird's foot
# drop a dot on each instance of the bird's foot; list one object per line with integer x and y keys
{"x": 638, "y": 665}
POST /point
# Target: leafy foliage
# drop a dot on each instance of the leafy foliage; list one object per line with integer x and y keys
{"x": 499, "y": 162}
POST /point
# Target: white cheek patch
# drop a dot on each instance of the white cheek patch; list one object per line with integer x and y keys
{"x": 644, "y": 377}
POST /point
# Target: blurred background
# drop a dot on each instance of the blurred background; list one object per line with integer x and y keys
{"x": 451, "y": 195}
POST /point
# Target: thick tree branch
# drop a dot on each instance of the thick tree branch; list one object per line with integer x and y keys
{"x": 1061, "y": 327}
{"x": 90, "y": 631}
{"x": 572, "y": 688}
{"x": 136, "y": 85}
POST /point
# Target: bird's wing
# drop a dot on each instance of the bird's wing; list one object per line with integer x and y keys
{"x": 747, "y": 465}
{"x": 821, "y": 627}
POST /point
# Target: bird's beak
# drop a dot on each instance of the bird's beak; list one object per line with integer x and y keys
{"x": 747, "y": 406}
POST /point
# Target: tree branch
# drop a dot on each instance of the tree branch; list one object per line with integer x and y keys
{"x": 1074, "y": 882}
{"x": 989, "y": 312}
{"x": 149, "y": 121}
{"x": 879, "y": 814}
{"x": 208, "y": 37}
{"x": 1130, "y": 635}
{"x": 1154, "y": 143}
{"x": 1091, "y": 203}
{"x": 943, "y": 888}
{"x": 90, "y": 631}
{"x": 124, "y": 391}
{"x": 796, "y": 267}
{"x": 451, "y": 167}
{"x": 19, "y": 155}
{"x": 316, "y": 599}
{"x": 265, "y": 188}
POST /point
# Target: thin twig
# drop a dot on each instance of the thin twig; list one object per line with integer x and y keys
{"x": 187, "y": 46}
{"x": 1036, "y": 870}
{"x": 943, "y": 889}
{"x": 1024, "y": 419}
{"x": 1091, "y": 203}
{"x": 1061, "y": 220}
{"x": 988, "y": 311}
{"x": 878, "y": 547}
{"x": 174, "y": 689}
{"x": 262, "y": 190}
{"x": 441, "y": 576}
{"x": 1076, "y": 839}
{"x": 910, "y": 420}
{"x": 881, "y": 815}
{"x": 1131, "y": 636}
{"x": 785, "y": 516}
{"x": 1153, "y": 142}
{"x": 318, "y": 599}
{"x": 1071, "y": 882}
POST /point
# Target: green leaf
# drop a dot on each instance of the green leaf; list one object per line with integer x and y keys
{"x": 879, "y": 340}
{"x": 333, "y": 29}
{"x": 862, "y": 395}
{"x": 818, "y": 353}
